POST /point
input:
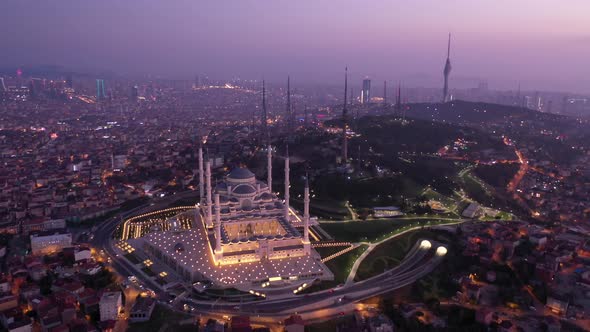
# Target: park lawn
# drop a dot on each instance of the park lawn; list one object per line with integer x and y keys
{"x": 377, "y": 229}
{"x": 160, "y": 316}
{"x": 389, "y": 254}
{"x": 448, "y": 202}
{"x": 342, "y": 264}
{"x": 324, "y": 208}
{"x": 358, "y": 231}
{"x": 503, "y": 215}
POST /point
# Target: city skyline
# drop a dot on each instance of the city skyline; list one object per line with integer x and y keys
{"x": 279, "y": 166}
{"x": 543, "y": 50}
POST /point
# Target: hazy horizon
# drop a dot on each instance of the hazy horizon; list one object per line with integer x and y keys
{"x": 539, "y": 43}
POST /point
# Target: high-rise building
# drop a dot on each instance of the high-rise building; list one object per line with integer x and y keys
{"x": 366, "y": 91}
{"x": 37, "y": 86}
{"x": 134, "y": 93}
{"x": 69, "y": 82}
{"x": 2, "y": 85}
{"x": 100, "y": 91}
{"x": 447, "y": 72}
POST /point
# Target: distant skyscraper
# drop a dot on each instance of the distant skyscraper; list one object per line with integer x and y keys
{"x": 100, "y": 91}
{"x": 134, "y": 93}
{"x": 447, "y": 72}
{"x": 384, "y": 92}
{"x": 564, "y": 102}
{"x": 19, "y": 77}
{"x": 69, "y": 82}
{"x": 366, "y": 91}
{"x": 2, "y": 85}
{"x": 37, "y": 86}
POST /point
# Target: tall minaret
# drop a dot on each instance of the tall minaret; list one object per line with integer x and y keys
{"x": 398, "y": 99}
{"x": 287, "y": 185}
{"x": 289, "y": 115}
{"x": 306, "y": 211}
{"x": 201, "y": 175}
{"x": 217, "y": 226}
{"x": 447, "y": 72}
{"x": 345, "y": 120}
{"x": 384, "y": 92}
{"x": 269, "y": 167}
{"x": 209, "y": 203}
{"x": 265, "y": 132}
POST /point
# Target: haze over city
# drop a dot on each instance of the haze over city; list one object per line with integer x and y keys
{"x": 541, "y": 44}
{"x": 294, "y": 166}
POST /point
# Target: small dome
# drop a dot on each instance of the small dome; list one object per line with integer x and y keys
{"x": 244, "y": 189}
{"x": 240, "y": 174}
{"x": 266, "y": 196}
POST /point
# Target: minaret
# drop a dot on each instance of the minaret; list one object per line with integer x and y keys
{"x": 217, "y": 227}
{"x": 269, "y": 167}
{"x": 265, "y": 132}
{"x": 345, "y": 120}
{"x": 289, "y": 115}
{"x": 398, "y": 99}
{"x": 201, "y": 175}
{"x": 447, "y": 72}
{"x": 306, "y": 211}
{"x": 306, "y": 243}
{"x": 287, "y": 185}
{"x": 209, "y": 203}
{"x": 384, "y": 92}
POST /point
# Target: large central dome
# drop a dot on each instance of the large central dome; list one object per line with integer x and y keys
{"x": 240, "y": 173}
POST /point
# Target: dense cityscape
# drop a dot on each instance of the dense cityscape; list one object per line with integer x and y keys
{"x": 159, "y": 203}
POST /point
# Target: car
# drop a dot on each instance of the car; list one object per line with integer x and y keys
{"x": 341, "y": 313}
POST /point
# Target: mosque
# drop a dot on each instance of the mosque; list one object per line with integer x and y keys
{"x": 244, "y": 235}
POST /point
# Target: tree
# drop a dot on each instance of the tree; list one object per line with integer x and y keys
{"x": 45, "y": 284}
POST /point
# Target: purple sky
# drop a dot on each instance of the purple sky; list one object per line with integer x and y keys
{"x": 544, "y": 44}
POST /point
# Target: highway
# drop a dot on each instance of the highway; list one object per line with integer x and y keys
{"x": 421, "y": 260}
